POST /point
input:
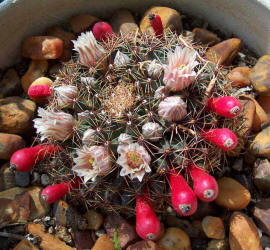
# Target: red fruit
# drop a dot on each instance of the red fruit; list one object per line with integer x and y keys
{"x": 204, "y": 185}
{"x": 55, "y": 192}
{"x": 222, "y": 137}
{"x": 24, "y": 159}
{"x": 39, "y": 91}
{"x": 102, "y": 31}
{"x": 184, "y": 200}
{"x": 156, "y": 23}
{"x": 226, "y": 106}
{"x": 147, "y": 223}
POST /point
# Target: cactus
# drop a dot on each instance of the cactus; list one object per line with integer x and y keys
{"x": 133, "y": 122}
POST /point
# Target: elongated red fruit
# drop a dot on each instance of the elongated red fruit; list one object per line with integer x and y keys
{"x": 39, "y": 91}
{"x": 156, "y": 23}
{"x": 24, "y": 159}
{"x": 55, "y": 192}
{"x": 224, "y": 138}
{"x": 226, "y": 106}
{"x": 184, "y": 200}
{"x": 102, "y": 31}
{"x": 147, "y": 223}
{"x": 204, "y": 185}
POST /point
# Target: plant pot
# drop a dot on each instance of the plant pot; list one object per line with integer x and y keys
{"x": 247, "y": 19}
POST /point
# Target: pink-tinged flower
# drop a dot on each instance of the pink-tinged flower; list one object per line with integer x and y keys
{"x": 134, "y": 160}
{"x": 90, "y": 52}
{"x": 66, "y": 95}
{"x": 172, "y": 109}
{"x": 121, "y": 59}
{"x": 92, "y": 162}
{"x": 179, "y": 72}
{"x": 54, "y": 125}
{"x": 124, "y": 139}
{"x": 152, "y": 131}
{"x": 155, "y": 69}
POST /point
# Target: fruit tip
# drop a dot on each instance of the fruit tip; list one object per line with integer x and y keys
{"x": 13, "y": 167}
{"x": 151, "y": 16}
{"x": 44, "y": 197}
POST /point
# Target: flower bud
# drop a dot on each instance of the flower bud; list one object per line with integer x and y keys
{"x": 152, "y": 131}
{"x": 89, "y": 136}
{"x": 66, "y": 95}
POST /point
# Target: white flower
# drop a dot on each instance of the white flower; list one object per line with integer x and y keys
{"x": 54, "y": 125}
{"x": 172, "y": 109}
{"x": 89, "y": 136}
{"x": 152, "y": 131}
{"x": 92, "y": 162}
{"x": 155, "y": 69}
{"x": 121, "y": 59}
{"x": 179, "y": 72}
{"x": 134, "y": 160}
{"x": 90, "y": 52}
{"x": 66, "y": 95}
{"x": 88, "y": 80}
{"x": 124, "y": 139}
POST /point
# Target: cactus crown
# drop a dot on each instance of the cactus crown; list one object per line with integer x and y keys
{"x": 120, "y": 96}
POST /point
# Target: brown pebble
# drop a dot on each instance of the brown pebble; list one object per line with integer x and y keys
{"x": 264, "y": 101}
{"x": 170, "y": 18}
{"x": 82, "y": 22}
{"x": 261, "y": 215}
{"x": 205, "y": 37}
{"x": 103, "y": 242}
{"x": 144, "y": 245}
{"x": 239, "y": 77}
{"x": 232, "y": 195}
{"x": 37, "y": 68}
{"x": 42, "y": 47}
{"x": 224, "y": 53}
{"x": 260, "y": 76}
{"x": 66, "y": 37}
{"x": 94, "y": 219}
{"x": 261, "y": 173}
{"x": 10, "y": 84}
{"x": 123, "y": 22}
{"x": 213, "y": 227}
{"x": 243, "y": 233}
{"x": 10, "y": 143}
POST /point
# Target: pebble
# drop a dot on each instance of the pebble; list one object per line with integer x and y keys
{"x": 104, "y": 242}
{"x": 243, "y": 233}
{"x": 7, "y": 178}
{"x": 42, "y": 47}
{"x": 265, "y": 242}
{"x": 9, "y": 144}
{"x": 239, "y": 77}
{"x": 144, "y": 245}
{"x": 218, "y": 245}
{"x": 16, "y": 115}
{"x": 19, "y": 205}
{"x": 261, "y": 215}
{"x": 238, "y": 164}
{"x": 67, "y": 216}
{"x": 47, "y": 241}
{"x": 10, "y": 84}
{"x": 205, "y": 36}
{"x": 224, "y": 52}
{"x": 94, "y": 219}
{"x": 170, "y": 18}
{"x": 63, "y": 234}
{"x": 25, "y": 245}
{"x": 37, "y": 68}
{"x": 260, "y": 76}
{"x": 175, "y": 239}
{"x": 22, "y": 179}
{"x": 82, "y": 22}
{"x": 213, "y": 227}
{"x": 232, "y": 195}
{"x": 66, "y": 37}
{"x": 123, "y": 22}
{"x": 126, "y": 233}
{"x": 45, "y": 180}
{"x": 261, "y": 173}
{"x": 264, "y": 101}
{"x": 35, "y": 178}
{"x": 83, "y": 240}
{"x": 260, "y": 146}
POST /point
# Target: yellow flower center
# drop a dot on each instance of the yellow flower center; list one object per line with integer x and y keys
{"x": 91, "y": 161}
{"x": 134, "y": 159}
{"x": 182, "y": 66}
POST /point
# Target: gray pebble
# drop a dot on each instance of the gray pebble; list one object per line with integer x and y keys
{"x": 35, "y": 178}
{"x": 45, "y": 180}
{"x": 100, "y": 232}
{"x": 22, "y": 179}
